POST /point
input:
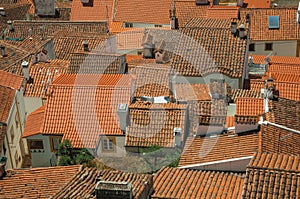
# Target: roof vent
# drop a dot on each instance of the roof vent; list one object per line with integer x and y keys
{"x": 202, "y": 2}
{"x": 85, "y": 46}
{"x": 10, "y": 26}
{"x": 123, "y": 113}
{"x": 177, "y": 135}
{"x": 2, "y": 11}
{"x": 3, "y": 53}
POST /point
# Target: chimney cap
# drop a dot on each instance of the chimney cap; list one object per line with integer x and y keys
{"x": 25, "y": 64}
{"x": 242, "y": 26}
{"x": 9, "y": 22}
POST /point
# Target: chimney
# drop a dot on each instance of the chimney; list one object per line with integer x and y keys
{"x": 113, "y": 190}
{"x": 242, "y": 31}
{"x": 123, "y": 113}
{"x": 2, "y": 11}
{"x": 10, "y": 25}
{"x": 240, "y": 3}
{"x": 233, "y": 27}
{"x": 3, "y": 53}
{"x": 177, "y": 137}
{"x": 148, "y": 46}
{"x": 85, "y": 46}
{"x": 173, "y": 19}
{"x": 30, "y": 32}
{"x": 25, "y": 65}
{"x": 161, "y": 56}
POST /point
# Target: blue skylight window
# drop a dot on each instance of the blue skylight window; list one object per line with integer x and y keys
{"x": 273, "y": 22}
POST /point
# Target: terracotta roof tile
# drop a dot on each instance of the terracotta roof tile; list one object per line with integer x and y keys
{"x": 152, "y": 80}
{"x": 43, "y": 73}
{"x": 284, "y": 68}
{"x": 223, "y": 12}
{"x": 34, "y": 122}
{"x": 137, "y": 60}
{"x": 31, "y": 44}
{"x": 36, "y": 182}
{"x": 230, "y": 121}
{"x": 13, "y": 59}
{"x": 96, "y": 63}
{"x": 279, "y": 140}
{"x": 98, "y": 10}
{"x": 141, "y": 183}
{"x": 10, "y": 80}
{"x": 48, "y": 28}
{"x": 189, "y": 184}
{"x": 259, "y": 30}
{"x": 67, "y": 42}
{"x": 243, "y": 93}
{"x": 131, "y": 39}
{"x": 209, "y": 149}
{"x": 258, "y": 3}
{"x": 7, "y": 96}
{"x": 272, "y": 176}
{"x": 285, "y": 77}
{"x": 141, "y": 12}
{"x": 258, "y": 59}
{"x": 153, "y": 124}
{"x": 285, "y": 112}
{"x": 192, "y": 92}
{"x": 208, "y": 23}
{"x": 249, "y": 106}
{"x": 201, "y": 51}
{"x": 186, "y": 10}
{"x": 69, "y": 107}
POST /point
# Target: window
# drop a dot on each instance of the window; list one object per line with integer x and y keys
{"x": 12, "y": 134}
{"x": 128, "y": 25}
{"x": 156, "y": 25}
{"x": 109, "y": 144}
{"x": 17, "y": 120}
{"x": 54, "y": 143}
{"x": 251, "y": 47}
{"x": 273, "y": 22}
{"x": 268, "y": 46}
{"x": 36, "y": 144}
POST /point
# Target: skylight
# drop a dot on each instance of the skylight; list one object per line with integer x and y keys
{"x": 273, "y": 22}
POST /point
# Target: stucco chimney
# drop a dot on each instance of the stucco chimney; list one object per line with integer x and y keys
{"x": 123, "y": 113}
{"x": 109, "y": 189}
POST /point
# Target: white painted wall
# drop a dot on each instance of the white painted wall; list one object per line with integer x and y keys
{"x": 119, "y": 148}
{"x": 42, "y": 158}
{"x": 280, "y": 48}
{"x": 32, "y": 103}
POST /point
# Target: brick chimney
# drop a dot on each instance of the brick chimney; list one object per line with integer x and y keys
{"x": 113, "y": 190}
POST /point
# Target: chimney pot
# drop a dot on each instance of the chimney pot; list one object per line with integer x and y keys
{"x": 10, "y": 25}
{"x": 85, "y": 46}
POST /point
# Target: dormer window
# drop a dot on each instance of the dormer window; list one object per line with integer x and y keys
{"x": 273, "y": 22}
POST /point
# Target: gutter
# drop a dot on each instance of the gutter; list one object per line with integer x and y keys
{"x": 216, "y": 162}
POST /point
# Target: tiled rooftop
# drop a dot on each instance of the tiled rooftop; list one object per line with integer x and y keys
{"x": 43, "y": 73}
{"x": 153, "y": 124}
{"x": 48, "y": 28}
{"x": 258, "y": 3}
{"x": 258, "y": 59}
{"x": 141, "y": 12}
{"x": 67, "y": 42}
{"x": 137, "y": 60}
{"x": 76, "y": 99}
{"x": 202, "y": 51}
{"x": 285, "y": 112}
{"x": 242, "y": 93}
{"x": 192, "y": 92}
{"x": 13, "y": 59}
{"x": 141, "y": 183}
{"x": 221, "y": 147}
{"x": 98, "y": 10}
{"x": 187, "y": 9}
{"x": 189, "y": 184}
{"x": 284, "y": 68}
{"x": 95, "y": 63}
{"x": 34, "y": 122}
{"x": 2, "y": 136}
{"x": 249, "y": 106}
{"x": 36, "y": 182}
{"x": 152, "y": 80}
{"x": 31, "y": 44}
{"x": 7, "y": 96}
{"x": 223, "y": 12}
{"x": 259, "y": 31}
{"x": 10, "y": 80}
{"x": 272, "y": 176}
{"x": 279, "y": 140}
